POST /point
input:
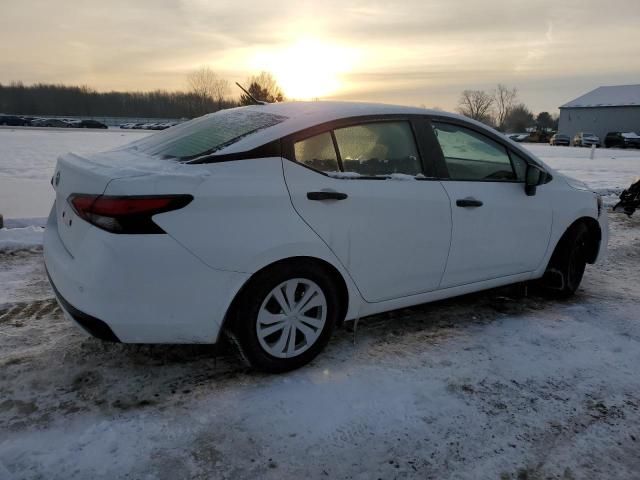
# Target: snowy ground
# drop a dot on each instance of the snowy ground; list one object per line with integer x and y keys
{"x": 28, "y": 157}
{"x": 492, "y": 385}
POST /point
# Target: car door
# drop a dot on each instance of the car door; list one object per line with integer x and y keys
{"x": 360, "y": 188}
{"x": 498, "y": 230}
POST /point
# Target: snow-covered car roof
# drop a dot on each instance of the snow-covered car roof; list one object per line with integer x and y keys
{"x": 302, "y": 115}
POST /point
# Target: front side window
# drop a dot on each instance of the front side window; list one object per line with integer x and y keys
{"x": 317, "y": 152}
{"x": 381, "y": 148}
{"x": 472, "y": 156}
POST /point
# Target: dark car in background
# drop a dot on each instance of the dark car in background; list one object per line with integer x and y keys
{"x": 87, "y": 124}
{"x": 560, "y": 139}
{"x": 50, "y": 122}
{"x": 12, "y": 120}
{"x": 622, "y": 140}
{"x": 586, "y": 139}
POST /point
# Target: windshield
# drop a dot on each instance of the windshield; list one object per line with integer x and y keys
{"x": 588, "y": 135}
{"x": 206, "y": 135}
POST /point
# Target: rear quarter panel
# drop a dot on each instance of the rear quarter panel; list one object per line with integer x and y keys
{"x": 242, "y": 219}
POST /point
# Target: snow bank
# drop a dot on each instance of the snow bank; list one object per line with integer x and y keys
{"x": 19, "y": 238}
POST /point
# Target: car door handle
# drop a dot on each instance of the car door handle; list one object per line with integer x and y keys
{"x": 326, "y": 195}
{"x": 468, "y": 202}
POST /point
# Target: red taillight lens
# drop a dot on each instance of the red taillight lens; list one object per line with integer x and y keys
{"x": 126, "y": 214}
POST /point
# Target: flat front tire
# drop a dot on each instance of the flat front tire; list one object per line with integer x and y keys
{"x": 285, "y": 316}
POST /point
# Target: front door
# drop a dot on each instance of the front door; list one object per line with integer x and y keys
{"x": 497, "y": 229}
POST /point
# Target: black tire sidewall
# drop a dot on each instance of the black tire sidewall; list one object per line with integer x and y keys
{"x": 576, "y": 249}
{"x": 251, "y": 299}
{"x": 563, "y": 257}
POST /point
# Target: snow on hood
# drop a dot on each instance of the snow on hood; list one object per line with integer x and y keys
{"x": 575, "y": 183}
{"x": 630, "y": 135}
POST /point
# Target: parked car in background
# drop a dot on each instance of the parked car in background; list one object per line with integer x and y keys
{"x": 586, "y": 139}
{"x": 560, "y": 139}
{"x": 51, "y": 122}
{"x": 273, "y": 223}
{"x": 518, "y": 137}
{"x": 622, "y": 140}
{"x": 12, "y": 121}
{"x": 89, "y": 124}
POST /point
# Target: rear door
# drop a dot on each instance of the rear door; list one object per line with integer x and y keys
{"x": 498, "y": 230}
{"x": 361, "y": 188}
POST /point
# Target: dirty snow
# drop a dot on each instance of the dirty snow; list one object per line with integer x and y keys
{"x": 492, "y": 385}
{"x": 497, "y": 384}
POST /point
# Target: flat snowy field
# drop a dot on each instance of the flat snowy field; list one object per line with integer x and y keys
{"x": 495, "y": 385}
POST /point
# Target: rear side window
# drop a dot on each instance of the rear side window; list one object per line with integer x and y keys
{"x": 472, "y": 156}
{"x": 317, "y": 152}
{"x": 381, "y": 148}
{"x": 206, "y": 135}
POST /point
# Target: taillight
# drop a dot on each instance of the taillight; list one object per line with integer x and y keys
{"x": 126, "y": 214}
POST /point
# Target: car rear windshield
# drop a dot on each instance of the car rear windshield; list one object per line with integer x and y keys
{"x": 206, "y": 135}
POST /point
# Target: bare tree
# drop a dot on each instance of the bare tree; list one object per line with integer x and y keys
{"x": 519, "y": 118}
{"x": 205, "y": 84}
{"x": 263, "y": 87}
{"x": 504, "y": 99}
{"x": 476, "y": 104}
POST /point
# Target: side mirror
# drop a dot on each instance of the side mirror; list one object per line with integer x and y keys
{"x": 535, "y": 176}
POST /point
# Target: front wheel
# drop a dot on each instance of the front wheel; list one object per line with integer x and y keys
{"x": 568, "y": 262}
{"x": 285, "y": 317}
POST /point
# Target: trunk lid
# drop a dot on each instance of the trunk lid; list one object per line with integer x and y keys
{"x": 92, "y": 175}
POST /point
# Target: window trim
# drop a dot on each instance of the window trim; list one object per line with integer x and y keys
{"x": 288, "y": 151}
{"x": 292, "y": 151}
{"x": 488, "y": 134}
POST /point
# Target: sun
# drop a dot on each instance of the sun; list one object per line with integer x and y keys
{"x": 308, "y": 69}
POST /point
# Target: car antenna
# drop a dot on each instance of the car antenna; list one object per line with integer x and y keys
{"x": 254, "y": 99}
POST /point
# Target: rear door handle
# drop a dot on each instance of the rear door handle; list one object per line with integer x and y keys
{"x": 326, "y": 195}
{"x": 468, "y": 202}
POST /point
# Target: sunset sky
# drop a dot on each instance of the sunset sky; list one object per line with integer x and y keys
{"x": 422, "y": 52}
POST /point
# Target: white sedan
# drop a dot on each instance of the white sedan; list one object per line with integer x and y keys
{"x": 273, "y": 223}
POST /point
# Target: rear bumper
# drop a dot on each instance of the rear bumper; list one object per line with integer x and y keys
{"x": 138, "y": 288}
{"x": 93, "y": 326}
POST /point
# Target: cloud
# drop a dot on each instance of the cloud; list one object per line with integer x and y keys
{"x": 407, "y": 49}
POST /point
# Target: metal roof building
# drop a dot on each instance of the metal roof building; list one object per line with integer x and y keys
{"x": 605, "y": 109}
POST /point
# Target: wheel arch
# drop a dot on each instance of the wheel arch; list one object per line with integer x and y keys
{"x": 336, "y": 275}
{"x": 594, "y": 232}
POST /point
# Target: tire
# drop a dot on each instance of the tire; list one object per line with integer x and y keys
{"x": 568, "y": 262}
{"x": 259, "y": 304}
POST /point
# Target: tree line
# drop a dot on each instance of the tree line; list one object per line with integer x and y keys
{"x": 206, "y": 92}
{"x": 501, "y": 109}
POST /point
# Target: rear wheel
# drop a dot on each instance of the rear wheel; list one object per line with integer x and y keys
{"x": 284, "y": 317}
{"x": 568, "y": 262}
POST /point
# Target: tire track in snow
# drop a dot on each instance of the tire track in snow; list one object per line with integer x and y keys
{"x": 35, "y": 310}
